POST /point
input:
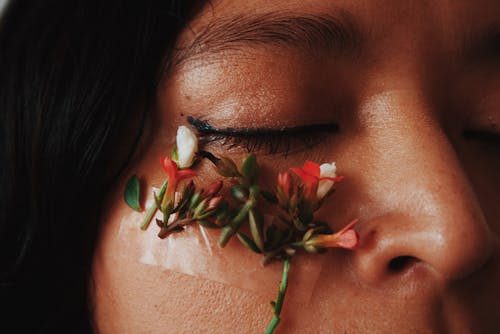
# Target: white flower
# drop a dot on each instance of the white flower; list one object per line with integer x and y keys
{"x": 324, "y": 186}
{"x": 187, "y": 146}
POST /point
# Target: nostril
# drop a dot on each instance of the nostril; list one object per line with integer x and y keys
{"x": 401, "y": 263}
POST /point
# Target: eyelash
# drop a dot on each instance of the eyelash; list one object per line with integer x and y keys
{"x": 490, "y": 140}
{"x": 274, "y": 141}
{"x": 271, "y": 141}
{"x": 486, "y": 136}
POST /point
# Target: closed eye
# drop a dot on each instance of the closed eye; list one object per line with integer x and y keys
{"x": 489, "y": 140}
{"x": 268, "y": 140}
{"x": 482, "y": 135}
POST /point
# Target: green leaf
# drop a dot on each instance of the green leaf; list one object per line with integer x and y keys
{"x": 229, "y": 230}
{"x": 242, "y": 214}
{"x": 222, "y": 210}
{"x": 249, "y": 168}
{"x": 254, "y": 192}
{"x": 226, "y": 234}
{"x": 226, "y": 167}
{"x": 207, "y": 223}
{"x": 157, "y": 200}
{"x": 284, "y": 219}
{"x": 200, "y": 208}
{"x": 256, "y": 222}
{"x": 308, "y": 235}
{"x": 247, "y": 242}
{"x": 310, "y": 248}
{"x": 152, "y": 210}
{"x": 271, "y": 236}
{"x": 132, "y": 193}
{"x": 195, "y": 200}
{"x": 175, "y": 155}
{"x": 290, "y": 251}
{"x": 269, "y": 196}
{"x": 239, "y": 192}
{"x": 299, "y": 225}
{"x": 321, "y": 227}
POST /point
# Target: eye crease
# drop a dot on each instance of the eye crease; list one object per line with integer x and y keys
{"x": 283, "y": 140}
{"x": 482, "y": 135}
{"x": 489, "y": 140}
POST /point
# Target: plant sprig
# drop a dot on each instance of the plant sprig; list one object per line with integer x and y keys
{"x": 274, "y": 222}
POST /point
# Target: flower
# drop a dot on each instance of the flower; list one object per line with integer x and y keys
{"x": 285, "y": 183}
{"x": 295, "y": 207}
{"x": 214, "y": 203}
{"x": 345, "y": 238}
{"x": 327, "y": 178}
{"x": 174, "y": 176}
{"x": 187, "y": 146}
{"x": 214, "y": 188}
{"x": 313, "y": 175}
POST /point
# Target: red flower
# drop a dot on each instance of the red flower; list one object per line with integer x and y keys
{"x": 174, "y": 176}
{"x": 345, "y": 238}
{"x": 214, "y": 202}
{"x": 285, "y": 182}
{"x": 214, "y": 188}
{"x": 310, "y": 174}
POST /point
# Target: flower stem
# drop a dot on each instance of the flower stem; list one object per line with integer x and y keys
{"x": 166, "y": 231}
{"x": 271, "y": 328}
{"x": 152, "y": 210}
{"x": 229, "y": 230}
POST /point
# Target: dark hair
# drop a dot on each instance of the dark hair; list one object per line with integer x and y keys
{"x": 74, "y": 77}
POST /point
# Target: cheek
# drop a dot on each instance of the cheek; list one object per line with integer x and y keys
{"x": 142, "y": 282}
{"x": 130, "y": 295}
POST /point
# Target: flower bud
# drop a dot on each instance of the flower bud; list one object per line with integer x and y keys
{"x": 346, "y": 238}
{"x": 200, "y": 209}
{"x": 214, "y": 203}
{"x": 285, "y": 182}
{"x": 226, "y": 167}
{"x": 187, "y": 146}
{"x": 214, "y": 188}
{"x": 325, "y": 184}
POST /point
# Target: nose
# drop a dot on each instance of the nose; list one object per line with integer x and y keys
{"x": 422, "y": 211}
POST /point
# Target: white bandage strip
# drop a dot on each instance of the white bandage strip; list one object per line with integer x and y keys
{"x": 195, "y": 252}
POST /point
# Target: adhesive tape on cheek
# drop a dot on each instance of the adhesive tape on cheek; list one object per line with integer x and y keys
{"x": 195, "y": 252}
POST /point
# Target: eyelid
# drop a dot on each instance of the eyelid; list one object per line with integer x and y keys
{"x": 482, "y": 135}
{"x": 204, "y": 127}
{"x": 280, "y": 140}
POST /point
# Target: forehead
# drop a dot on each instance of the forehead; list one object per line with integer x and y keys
{"x": 444, "y": 19}
{"x": 386, "y": 9}
{"x": 250, "y": 54}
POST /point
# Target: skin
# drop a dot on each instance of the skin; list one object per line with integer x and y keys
{"x": 426, "y": 197}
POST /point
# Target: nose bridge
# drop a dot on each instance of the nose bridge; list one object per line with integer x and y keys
{"x": 425, "y": 208}
{"x": 410, "y": 147}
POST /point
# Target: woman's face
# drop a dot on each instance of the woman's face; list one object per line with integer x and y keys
{"x": 414, "y": 87}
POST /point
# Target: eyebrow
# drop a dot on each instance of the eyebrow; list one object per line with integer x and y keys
{"x": 335, "y": 35}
